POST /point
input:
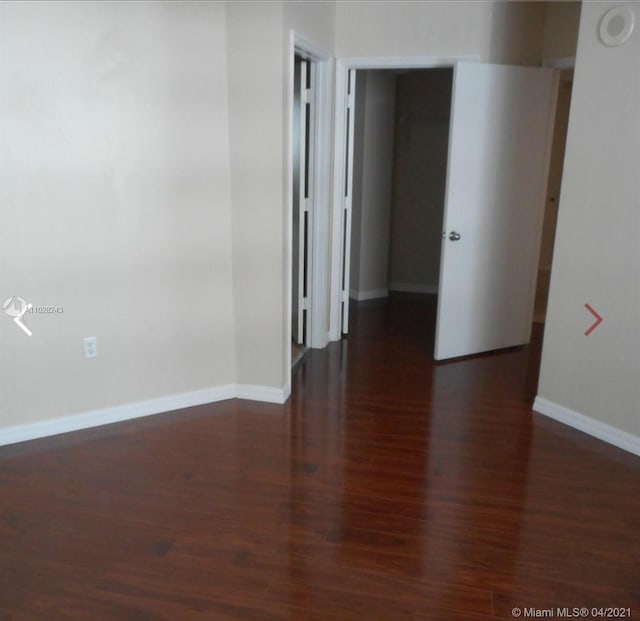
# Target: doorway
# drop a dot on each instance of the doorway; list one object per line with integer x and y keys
{"x": 400, "y": 161}
{"x": 561, "y": 125}
{"x": 496, "y": 183}
{"x": 307, "y": 192}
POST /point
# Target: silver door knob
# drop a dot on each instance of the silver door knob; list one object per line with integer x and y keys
{"x": 453, "y": 236}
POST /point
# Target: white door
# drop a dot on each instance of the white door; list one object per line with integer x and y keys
{"x": 496, "y": 176}
{"x": 303, "y": 132}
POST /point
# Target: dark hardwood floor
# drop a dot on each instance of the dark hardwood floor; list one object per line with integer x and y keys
{"x": 388, "y": 488}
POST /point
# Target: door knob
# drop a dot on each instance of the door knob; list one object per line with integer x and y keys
{"x": 453, "y": 236}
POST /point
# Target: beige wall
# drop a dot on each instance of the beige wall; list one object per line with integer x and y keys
{"x": 256, "y": 101}
{"x": 509, "y": 32}
{"x": 114, "y": 192}
{"x": 373, "y": 166}
{"x": 561, "y": 23}
{"x": 259, "y": 99}
{"x": 597, "y": 250}
{"x": 137, "y": 86}
{"x": 423, "y": 108}
{"x": 315, "y": 21}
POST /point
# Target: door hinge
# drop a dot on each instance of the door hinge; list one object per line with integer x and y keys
{"x": 305, "y": 303}
{"x": 306, "y": 95}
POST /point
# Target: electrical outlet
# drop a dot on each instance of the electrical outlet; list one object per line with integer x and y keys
{"x": 90, "y": 346}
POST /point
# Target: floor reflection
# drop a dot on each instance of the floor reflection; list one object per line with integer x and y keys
{"x": 422, "y": 474}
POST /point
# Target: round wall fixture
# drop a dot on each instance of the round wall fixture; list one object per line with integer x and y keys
{"x": 616, "y": 25}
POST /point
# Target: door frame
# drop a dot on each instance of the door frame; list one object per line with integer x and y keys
{"x": 303, "y": 169}
{"x": 320, "y": 191}
{"x": 334, "y": 237}
{"x": 564, "y": 68}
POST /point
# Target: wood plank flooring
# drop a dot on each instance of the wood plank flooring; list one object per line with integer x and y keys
{"x": 387, "y": 488}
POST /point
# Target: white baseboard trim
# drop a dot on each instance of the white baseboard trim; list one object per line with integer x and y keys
{"x": 372, "y": 294}
{"x": 129, "y": 411}
{"x": 410, "y": 287}
{"x": 593, "y": 427}
{"x": 262, "y": 393}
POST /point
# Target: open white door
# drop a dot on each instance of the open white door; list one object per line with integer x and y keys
{"x": 496, "y": 178}
{"x": 302, "y": 185}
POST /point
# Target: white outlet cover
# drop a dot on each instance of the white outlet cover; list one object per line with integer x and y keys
{"x": 90, "y": 345}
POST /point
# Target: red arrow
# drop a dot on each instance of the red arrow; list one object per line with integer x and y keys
{"x": 596, "y": 324}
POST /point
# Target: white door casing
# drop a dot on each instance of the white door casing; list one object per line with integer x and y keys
{"x": 347, "y": 200}
{"x": 303, "y": 199}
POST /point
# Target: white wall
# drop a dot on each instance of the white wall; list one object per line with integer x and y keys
{"x": 423, "y": 108}
{"x": 114, "y": 194}
{"x": 373, "y": 167}
{"x": 597, "y": 249}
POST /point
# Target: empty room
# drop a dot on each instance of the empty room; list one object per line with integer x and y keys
{"x": 319, "y": 310}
